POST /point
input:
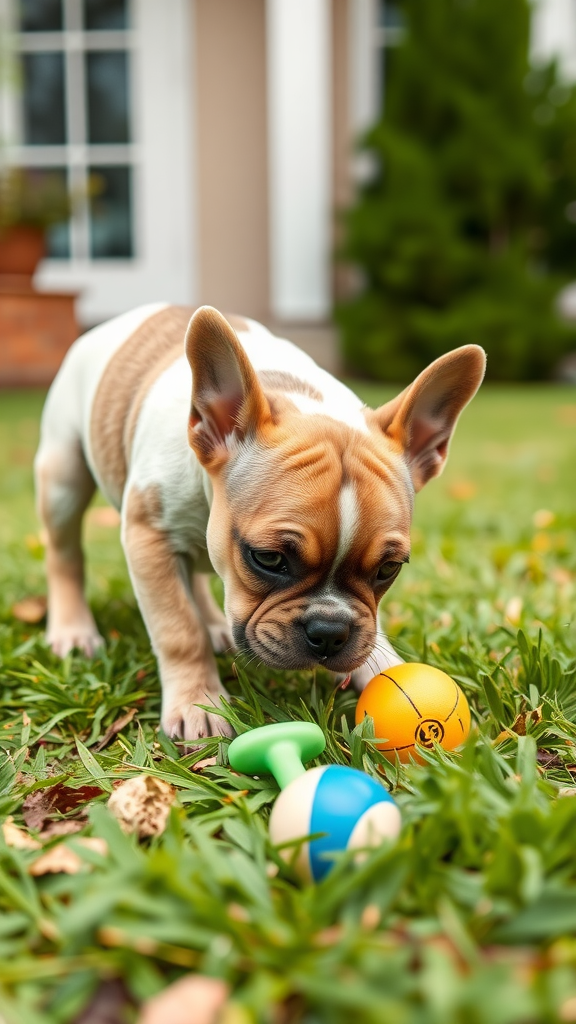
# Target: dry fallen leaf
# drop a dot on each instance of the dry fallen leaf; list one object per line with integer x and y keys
{"x": 30, "y": 609}
{"x": 142, "y": 804}
{"x": 206, "y": 762}
{"x": 115, "y": 728}
{"x": 63, "y": 827}
{"x": 519, "y": 724}
{"x": 548, "y": 759}
{"x": 104, "y": 516}
{"x": 42, "y": 804}
{"x": 16, "y": 837}
{"x": 62, "y": 860}
{"x": 194, "y": 999}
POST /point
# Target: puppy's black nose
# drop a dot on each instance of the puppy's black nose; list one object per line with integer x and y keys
{"x": 325, "y": 638}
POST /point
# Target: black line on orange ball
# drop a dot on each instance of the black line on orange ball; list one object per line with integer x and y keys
{"x": 429, "y": 740}
{"x": 405, "y": 694}
{"x": 456, "y": 704}
{"x": 461, "y": 724}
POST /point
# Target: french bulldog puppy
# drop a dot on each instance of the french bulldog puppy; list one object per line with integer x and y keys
{"x": 227, "y": 449}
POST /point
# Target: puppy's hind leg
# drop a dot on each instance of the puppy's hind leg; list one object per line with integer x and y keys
{"x": 64, "y": 487}
{"x": 212, "y": 615}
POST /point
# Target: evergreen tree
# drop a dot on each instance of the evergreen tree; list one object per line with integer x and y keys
{"x": 462, "y": 236}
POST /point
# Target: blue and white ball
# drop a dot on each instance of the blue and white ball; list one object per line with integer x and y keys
{"x": 351, "y": 808}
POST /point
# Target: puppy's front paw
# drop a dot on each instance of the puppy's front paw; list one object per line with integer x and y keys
{"x": 187, "y": 721}
{"x": 63, "y": 639}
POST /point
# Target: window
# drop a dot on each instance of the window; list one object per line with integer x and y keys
{"x": 74, "y": 118}
{"x": 104, "y": 100}
{"x": 388, "y": 35}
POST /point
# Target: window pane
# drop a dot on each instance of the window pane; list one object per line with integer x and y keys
{"x": 43, "y": 99}
{"x": 107, "y": 85}
{"x": 58, "y": 241}
{"x": 103, "y": 14}
{"x": 40, "y": 15}
{"x": 110, "y": 212}
{"x": 390, "y": 15}
{"x": 45, "y": 202}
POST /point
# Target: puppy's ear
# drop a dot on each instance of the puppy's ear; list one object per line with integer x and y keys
{"x": 422, "y": 418}
{"x": 227, "y": 399}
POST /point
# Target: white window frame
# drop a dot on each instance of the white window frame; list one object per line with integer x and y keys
{"x": 163, "y": 266}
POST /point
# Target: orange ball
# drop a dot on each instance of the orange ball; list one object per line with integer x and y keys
{"x": 414, "y": 704}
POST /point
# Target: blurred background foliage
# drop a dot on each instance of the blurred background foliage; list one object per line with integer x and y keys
{"x": 466, "y": 230}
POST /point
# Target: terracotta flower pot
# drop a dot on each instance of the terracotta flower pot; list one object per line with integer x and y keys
{"x": 21, "y": 249}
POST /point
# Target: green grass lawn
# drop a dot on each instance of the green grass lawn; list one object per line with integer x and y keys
{"x": 469, "y": 917}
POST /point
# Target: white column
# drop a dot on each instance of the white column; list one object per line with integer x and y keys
{"x": 168, "y": 186}
{"x": 554, "y": 34}
{"x": 365, "y": 81}
{"x": 366, "y": 87}
{"x": 300, "y": 160}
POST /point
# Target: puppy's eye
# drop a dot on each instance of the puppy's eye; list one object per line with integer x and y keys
{"x": 272, "y": 561}
{"x": 387, "y": 570}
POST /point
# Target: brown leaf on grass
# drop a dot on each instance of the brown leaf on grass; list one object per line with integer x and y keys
{"x": 31, "y": 609}
{"x": 520, "y": 722}
{"x": 60, "y": 859}
{"x": 115, "y": 728}
{"x": 103, "y": 516}
{"x": 17, "y": 837}
{"x": 194, "y": 999}
{"x": 549, "y": 759}
{"x": 206, "y": 762}
{"x": 107, "y": 1004}
{"x": 42, "y": 804}
{"x": 518, "y": 727}
{"x": 142, "y": 805}
{"x": 63, "y": 827}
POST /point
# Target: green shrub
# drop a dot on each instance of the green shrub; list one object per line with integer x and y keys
{"x": 461, "y": 235}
